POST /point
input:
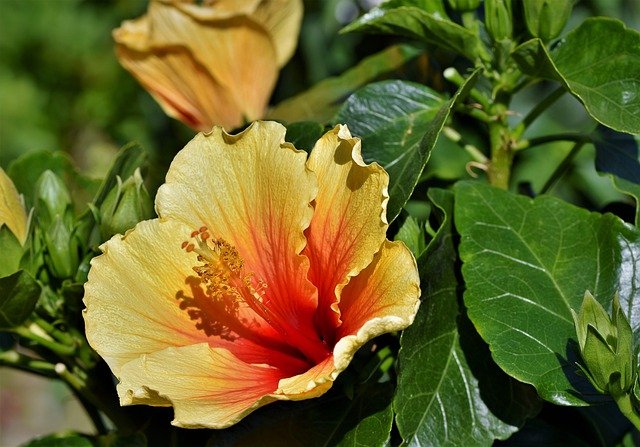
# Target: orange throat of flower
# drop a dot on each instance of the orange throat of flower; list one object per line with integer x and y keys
{"x": 227, "y": 286}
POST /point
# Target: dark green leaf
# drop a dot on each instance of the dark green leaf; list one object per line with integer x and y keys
{"x": 448, "y": 392}
{"x": 304, "y": 134}
{"x": 616, "y": 153}
{"x": 399, "y": 123}
{"x": 321, "y": 102}
{"x": 26, "y": 170}
{"x": 417, "y": 23}
{"x": 19, "y": 294}
{"x": 60, "y": 440}
{"x": 130, "y": 158}
{"x": 11, "y": 251}
{"x": 527, "y": 263}
{"x": 371, "y": 429}
{"x": 599, "y": 63}
{"x": 332, "y": 420}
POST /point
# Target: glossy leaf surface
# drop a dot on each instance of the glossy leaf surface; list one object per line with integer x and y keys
{"x": 19, "y": 294}
{"x": 599, "y": 63}
{"x": 448, "y": 393}
{"x": 416, "y": 23}
{"x": 527, "y": 263}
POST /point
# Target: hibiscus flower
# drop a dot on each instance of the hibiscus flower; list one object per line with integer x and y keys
{"x": 210, "y": 63}
{"x": 263, "y": 275}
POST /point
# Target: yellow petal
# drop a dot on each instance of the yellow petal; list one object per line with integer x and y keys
{"x": 349, "y": 222}
{"x": 130, "y": 296}
{"x": 253, "y": 191}
{"x": 12, "y": 212}
{"x": 208, "y": 388}
{"x": 312, "y": 383}
{"x": 282, "y": 18}
{"x": 383, "y": 298}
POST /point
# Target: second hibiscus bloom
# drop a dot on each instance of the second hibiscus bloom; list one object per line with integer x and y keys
{"x": 264, "y": 274}
{"x": 214, "y": 63}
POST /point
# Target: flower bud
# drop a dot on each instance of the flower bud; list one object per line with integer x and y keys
{"x": 497, "y": 17}
{"x": 606, "y": 346}
{"x": 52, "y": 199}
{"x": 464, "y": 5}
{"x": 125, "y": 205}
{"x": 546, "y": 18}
{"x": 53, "y": 209}
{"x": 61, "y": 249}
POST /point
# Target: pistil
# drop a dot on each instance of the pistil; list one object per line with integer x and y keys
{"x": 223, "y": 276}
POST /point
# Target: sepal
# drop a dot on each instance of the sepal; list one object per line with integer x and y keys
{"x": 606, "y": 346}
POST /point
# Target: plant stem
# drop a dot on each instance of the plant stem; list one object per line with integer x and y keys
{"x": 626, "y": 407}
{"x": 562, "y": 167}
{"x": 56, "y": 333}
{"x": 22, "y": 362}
{"x": 57, "y": 348}
{"x": 542, "y": 106}
{"x": 538, "y": 141}
{"x": 473, "y": 151}
{"x": 499, "y": 171}
{"x": 452, "y": 75}
{"x": 88, "y": 390}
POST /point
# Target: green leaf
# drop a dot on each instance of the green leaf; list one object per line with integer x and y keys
{"x": 25, "y": 171}
{"x": 413, "y": 235}
{"x": 130, "y": 158}
{"x": 399, "y": 123}
{"x": 599, "y": 63}
{"x": 60, "y": 440}
{"x": 11, "y": 251}
{"x": 527, "y": 263}
{"x": 416, "y": 23}
{"x": 332, "y": 420}
{"x": 616, "y": 153}
{"x": 304, "y": 134}
{"x": 19, "y": 294}
{"x": 448, "y": 392}
{"x": 321, "y": 102}
{"x": 371, "y": 429}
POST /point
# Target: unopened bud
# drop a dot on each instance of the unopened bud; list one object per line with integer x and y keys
{"x": 546, "y": 18}
{"x": 61, "y": 249}
{"x": 52, "y": 198}
{"x": 464, "y": 5}
{"x": 125, "y": 205}
{"x": 606, "y": 346}
{"x": 497, "y": 17}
